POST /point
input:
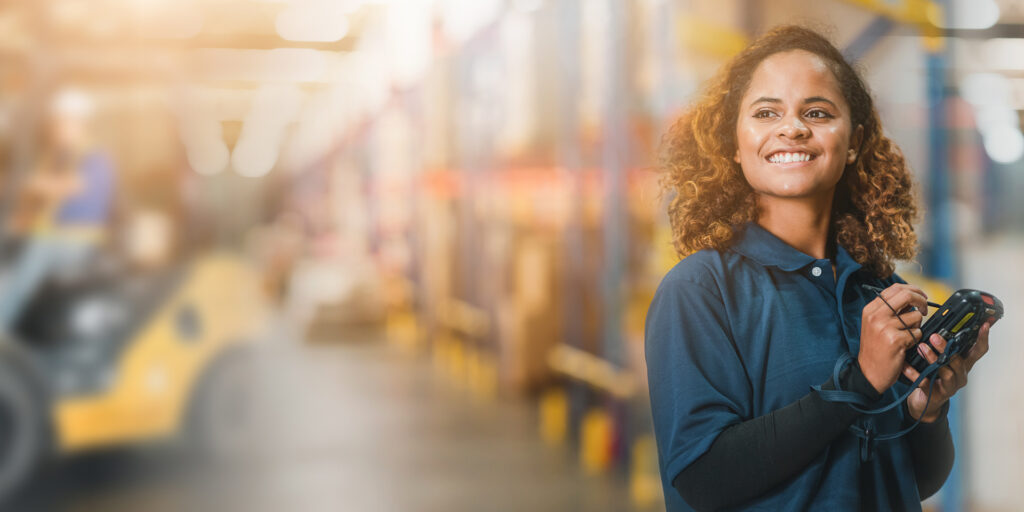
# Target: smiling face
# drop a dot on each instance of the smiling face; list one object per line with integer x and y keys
{"x": 794, "y": 133}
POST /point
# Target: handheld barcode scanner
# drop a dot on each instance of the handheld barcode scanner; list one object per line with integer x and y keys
{"x": 958, "y": 321}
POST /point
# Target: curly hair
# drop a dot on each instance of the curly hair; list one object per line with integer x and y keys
{"x": 873, "y": 209}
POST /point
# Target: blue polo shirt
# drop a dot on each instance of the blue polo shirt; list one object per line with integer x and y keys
{"x": 737, "y": 334}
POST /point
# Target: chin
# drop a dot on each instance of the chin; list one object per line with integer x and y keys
{"x": 801, "y": 191}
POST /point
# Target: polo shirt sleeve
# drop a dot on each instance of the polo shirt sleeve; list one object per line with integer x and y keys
{"x": 698, "y": 385}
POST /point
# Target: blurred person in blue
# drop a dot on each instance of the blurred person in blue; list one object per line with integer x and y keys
{"x": 63, "y": 208}
{"x": 786, "y": 198}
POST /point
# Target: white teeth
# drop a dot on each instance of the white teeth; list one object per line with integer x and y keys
{"x": 785, "y": 158}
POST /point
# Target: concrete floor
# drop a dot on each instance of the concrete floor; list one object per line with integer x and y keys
{"x": 351, "y": 425}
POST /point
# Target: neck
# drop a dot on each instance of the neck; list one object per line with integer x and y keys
{"x": 802, "y": 223}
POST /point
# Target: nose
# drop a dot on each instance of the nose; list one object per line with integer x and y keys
{"x": 793, "y": 127}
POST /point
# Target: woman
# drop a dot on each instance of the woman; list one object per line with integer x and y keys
{"x": 788, "y": 199}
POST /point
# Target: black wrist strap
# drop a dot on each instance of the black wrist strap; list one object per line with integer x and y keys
{"x": 859, "y": 403}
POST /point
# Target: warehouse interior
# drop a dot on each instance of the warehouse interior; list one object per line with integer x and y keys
{"x": 397, "y": 255}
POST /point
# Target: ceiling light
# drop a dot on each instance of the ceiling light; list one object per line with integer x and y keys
{"x": 313, "y": 21}
{"x": 964, "y": 14}
{"x": 1004, "y": 145}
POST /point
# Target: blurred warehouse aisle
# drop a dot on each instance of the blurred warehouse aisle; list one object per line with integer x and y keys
{"x": 353, "y": 425}
{"x": 479, "y": 179}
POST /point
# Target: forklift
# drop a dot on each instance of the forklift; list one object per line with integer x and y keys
{"x": 102, "y": 359}
{"x": 112, "y": 353}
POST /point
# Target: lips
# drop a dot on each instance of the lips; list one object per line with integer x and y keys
{"x": 785, "y": 157}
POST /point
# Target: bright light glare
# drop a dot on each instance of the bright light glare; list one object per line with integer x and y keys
{"x": 204, "y": 143}
{"x": 1004, "y": 145}
{"x": 463, "y": 19}
{"x": 527, "y": 5}
{"x": 208, "y": 158}
{"x": 995, "y": 117}
{"x": 264, "y": 66}
{"x": 408, "y": 42}
{"x": 252, "y": 159}
{"x": 989, "y": 89}
{"x": 324, "y": 117}
{"x": 71, "y": 102}
{"x": 966, "y": 14}
{"x": 314, "y": 21}
{"x": 256, "y": 151}
{"x": 1004, "y": 53}
{"x": 173, "y": 24}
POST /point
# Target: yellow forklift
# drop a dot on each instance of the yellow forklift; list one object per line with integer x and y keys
{"x": 113, "y": 353}
{"x": 106, "y": 357}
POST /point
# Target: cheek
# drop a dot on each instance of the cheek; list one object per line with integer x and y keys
{"x": 840, "y": 138}
{"x": 748, "y": 139}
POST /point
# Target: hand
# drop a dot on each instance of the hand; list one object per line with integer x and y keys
{"x": 950, "y": 378}
{"x": 884, "y": 338}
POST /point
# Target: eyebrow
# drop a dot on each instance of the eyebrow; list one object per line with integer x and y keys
{"x": 812, "y": 99}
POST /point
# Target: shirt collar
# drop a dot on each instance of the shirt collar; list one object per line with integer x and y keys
{"x": 767, "y": 249}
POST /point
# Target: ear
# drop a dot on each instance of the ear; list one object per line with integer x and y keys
{"x": 736, "y": 157}
{"x": 855, "y": 140}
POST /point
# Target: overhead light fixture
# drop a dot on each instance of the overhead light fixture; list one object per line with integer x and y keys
{"x": 208, "y": 158}
{"x": 257, "y": 150}
{"x": 966, "y": 14}
{"x": 324, "y": 22}
{"x": 986, "y": 89}
{"x": 279, "y": 65}
{"x": 1004, "y": 53}
{"x": 1004, "y": 145}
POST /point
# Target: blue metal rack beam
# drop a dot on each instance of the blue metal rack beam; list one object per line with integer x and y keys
{"x": 939, "y": 258}
{"x": 868, "y": 38}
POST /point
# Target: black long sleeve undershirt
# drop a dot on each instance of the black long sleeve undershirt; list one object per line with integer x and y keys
{"x": 932, "y": 450}
{"x": 752, "y": 457}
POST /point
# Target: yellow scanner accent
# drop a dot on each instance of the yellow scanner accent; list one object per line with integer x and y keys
{"x": 962, "y": 322}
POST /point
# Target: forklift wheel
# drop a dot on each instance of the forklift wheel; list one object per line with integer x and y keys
{"x": 23, "y": 424}
{"x": 222, "y": 423}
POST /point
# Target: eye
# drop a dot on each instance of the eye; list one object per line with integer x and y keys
{"x": 763, "y": 114}
{"x": 819, "y": 114}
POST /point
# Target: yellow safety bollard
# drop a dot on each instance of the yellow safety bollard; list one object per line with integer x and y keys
{"x": 644, "y": 476}
{"x": 481, "y": 375}
{"x": 473, "y": 370}
{"x": 595, "y": 441}
{"x": 554, "y": 416}
{"x": 402, "y": 330}
{"x": 457, "y": 361}
{"x": 488, "y": 378}
{"x": 442, "y": 349}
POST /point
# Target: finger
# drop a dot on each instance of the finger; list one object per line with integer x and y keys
{"x": 980, "y": 346}
{"x": 921, "y": 397}
{"x": 903, "y": 338}
{"x": 915, "y": 338}
{"x": 894, "y": 300}
{"x": 945, "y": 375}
{"x": 913, "y": 307}
{"x": 938, "y": 342}
{"x": 959, "y": 369}
{"x": 927, "y": 353}
{"x": 904, "y": 297}
{"x": 895, "y": 287}
{"x": 910, "y": 373}
{"x": 946, "y": 381}
{"x": 910, "y": 317}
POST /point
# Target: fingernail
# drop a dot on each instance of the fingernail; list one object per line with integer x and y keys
{"x": 922, "y": 350}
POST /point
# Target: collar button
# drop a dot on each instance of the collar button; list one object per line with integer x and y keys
{"x": 816, "y": 271}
